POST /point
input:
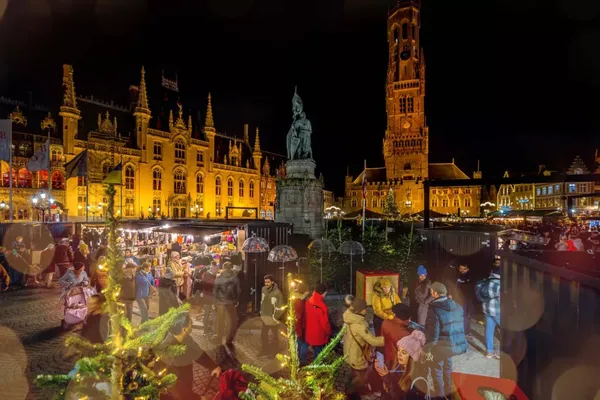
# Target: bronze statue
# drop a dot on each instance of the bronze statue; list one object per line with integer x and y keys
{"x": 298, "y": 137}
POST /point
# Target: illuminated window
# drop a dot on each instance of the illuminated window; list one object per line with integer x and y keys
{"x": 157, "y": 151}
{"x": 80, "y": 206}
{"x": 411, "y": 105}
{"x": 229, "y": 187}
{"x": 81, "y": 181}
{"x": 374, "y": 203}
{"x": 241, "y": 188}
{"x": 381, "y": 203}
{"x": 58, "y": 180}
{"x": 467, "y": 202}
{"x": 251, "y": 189}
{"x": 199, "y": 158}
{"x": 129, "y": 207}
{"x": 456, "y": 202}
{"x": 156, "y": 206}
{"x": 403, "y": 105}
{"x": 218, "y": 186}
{"x": 445, "y": 202}
{"x": 434, "y": 202}
{"x": 199, "y": 184}
{"x": 25, "y": 178}
{"x": 572, "y": 188}
{"x": 353, "y": 203}
{"x": 156, "y": 179}
{"x": 129, "y": 178}
{"x": 179, "y": 186}
{"x": 179, "y": 152}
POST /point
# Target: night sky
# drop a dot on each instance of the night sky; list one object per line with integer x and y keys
{"x": 514, "y": 84}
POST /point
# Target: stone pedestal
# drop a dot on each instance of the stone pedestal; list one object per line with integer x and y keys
{"x": 300, "y": 198}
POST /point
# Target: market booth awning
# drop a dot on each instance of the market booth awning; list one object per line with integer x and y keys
{"x": 525, "y": 214}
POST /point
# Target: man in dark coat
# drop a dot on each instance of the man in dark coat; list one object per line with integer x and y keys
{"x": 208, "y": 284}
{"x": 464, "y": 294}
{"x": 445, "y": 335}
{"x": 226, "y": 295}
{"x": 63, "y": 256}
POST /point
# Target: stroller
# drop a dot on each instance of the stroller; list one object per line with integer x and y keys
{"x": 75, "y": 307}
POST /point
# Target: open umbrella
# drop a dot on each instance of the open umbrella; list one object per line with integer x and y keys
{"x": 255, "y": 245}
{"x": 282, "y": 253}
{"x": 352, "y": 248}
{"x": 324, "y": 246}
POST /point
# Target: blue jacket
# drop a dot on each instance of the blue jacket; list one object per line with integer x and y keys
{"x": 444, "y": 329}
{"x": 143, "y": 282}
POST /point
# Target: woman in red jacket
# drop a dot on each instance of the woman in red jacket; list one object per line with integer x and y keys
{"x": 300, "y": 293}
{"x": 316, "y": 316}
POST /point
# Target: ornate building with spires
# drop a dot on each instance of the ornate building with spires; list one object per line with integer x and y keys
{"x": 406, "y": 141}
{"x": 173, "y": 164}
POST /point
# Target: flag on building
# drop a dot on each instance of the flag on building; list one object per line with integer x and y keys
{"x": 5, "y": 139}
{"x": 78, "y": 166}
{"x": 115, "y": 176}
{"x": 40, "y": 159}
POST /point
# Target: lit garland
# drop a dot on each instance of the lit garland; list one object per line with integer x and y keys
{"x": 314, "y": 381}
{"x": 124, "y": 366}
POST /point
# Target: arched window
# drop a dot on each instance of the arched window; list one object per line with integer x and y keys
{"x": 179, "y": 186}
{"x": 445, "y": 202}
{"x": 218, "y": 186}
{"x": 411, "y": 104}
{"x": 251, "y": 189}
{"x": 54, "y": 156}
{"x": 456, "y": 202}
{"x": 396, "y": 34}
{"x": 434, "y": 202}
{"x": 43, "y": 179}
{"x": 405, "y": 30}
{"x": 229, "y": 187}
{"x": 25, "y": 178}
{"x": 179, "y": 151}
{"x": 199, "y": 184}
{"x": 156, "y": 179}
{"x": 467, "y": 202}
{"x": 403, "y": 105}
{"x": 129, "y": 178}
{"x": 58, "y": 180}
{"x": 241, "y": 188}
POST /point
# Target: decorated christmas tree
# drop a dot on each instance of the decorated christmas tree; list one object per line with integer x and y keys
{"x": 311, "y": 382}
{"x": 127, "y": 365}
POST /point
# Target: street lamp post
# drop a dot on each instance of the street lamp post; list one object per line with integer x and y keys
{"x": 43, "y": 204}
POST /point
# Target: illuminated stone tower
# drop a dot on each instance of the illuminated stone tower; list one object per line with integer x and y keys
{"x": 405, "y": 147}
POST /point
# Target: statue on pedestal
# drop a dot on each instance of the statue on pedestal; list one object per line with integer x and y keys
{"x": 298, "y": 137}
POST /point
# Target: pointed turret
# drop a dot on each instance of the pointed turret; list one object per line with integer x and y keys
{"x": 266, "y": 168}
{"x": 142, "y": 104}
{"x": 257, "y": 154}
{"x": 69, "y": 111}
{"x": 170, "y": 119}
{"x": 209, "y": 121}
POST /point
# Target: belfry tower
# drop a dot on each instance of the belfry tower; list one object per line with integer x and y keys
{"x": 406, "y": 143}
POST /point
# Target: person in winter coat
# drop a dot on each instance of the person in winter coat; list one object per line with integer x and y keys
{"x": 393, "y": 330}
{"x": 398, "y": 382}
{"x": 178, "y": 272}
{"x": 227, "y": 293}
{"x": 231, "y": 383}
{"x": 464, "y": 294}
{"x": 183, "y": 365}
{"x": 4, "y": 276}
{"x": 384, "y": 298}
{"x": 208, "y": 285}
{"x": 73, "y": 277}
{"x": 445, "y": 335}
{"x": 300, "y": 294}
{"x": 271, "y": 311}
{"x": 144, "y": 287}
{"x": 488, "y": 292}
{"x": 99, "y": 278}
{"x": 422, "y": 294}
{"x": 358, "y": 340}
{"x": 317, "y": 329}
{"x": 168, "y": 296}
{"x": 83, "y": 255}
{"x": 128, "y": 293}
{"x": 129, "y": 254}
{"x": 63, "y": 256}
{"x": 46, "y": 263}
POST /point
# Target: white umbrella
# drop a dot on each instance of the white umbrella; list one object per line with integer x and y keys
{"x": 324, "y": 246}
{"x": 282, "y": 253}
{"x": 352, "y": 248}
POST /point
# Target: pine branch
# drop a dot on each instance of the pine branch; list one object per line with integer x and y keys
{"x": 329, "y": 348}
{"x": 259, "y": 374}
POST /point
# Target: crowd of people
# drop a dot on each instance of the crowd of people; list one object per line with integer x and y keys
{"x": 410, "y": 343}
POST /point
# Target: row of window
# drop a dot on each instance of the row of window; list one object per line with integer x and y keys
{"x": 180, "y": 184}
{"x": 455, "y": 202}
{"x": 447, "y": 191}
{"x": 24, "y": 179}
{"x": 179, "y": 152}
{"x": 407, "y": 104}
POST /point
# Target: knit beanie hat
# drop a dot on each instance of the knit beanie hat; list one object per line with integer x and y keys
{"x": 359, "y": 305}
{"x": 440, "y": 288}
{"x": 421, "y": 270}
{"x": 320, "y": 288}
{"x": 413, "y": 344}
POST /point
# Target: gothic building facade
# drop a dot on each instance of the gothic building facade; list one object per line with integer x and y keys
{"x": 406, "y": 141}
{"x": 173, "y": 164}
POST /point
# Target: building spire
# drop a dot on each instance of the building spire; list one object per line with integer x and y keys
{"x": 69, "y": 99}
{"x": 257, "y": 142}
{"x": 209, "y": 122}
{"x": 142, "y": 105}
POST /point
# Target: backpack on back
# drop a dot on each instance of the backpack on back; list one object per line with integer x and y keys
{"x": 482, "y": 290}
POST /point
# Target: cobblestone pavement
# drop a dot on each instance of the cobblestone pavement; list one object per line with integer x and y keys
{"x": 32, "y": 343}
